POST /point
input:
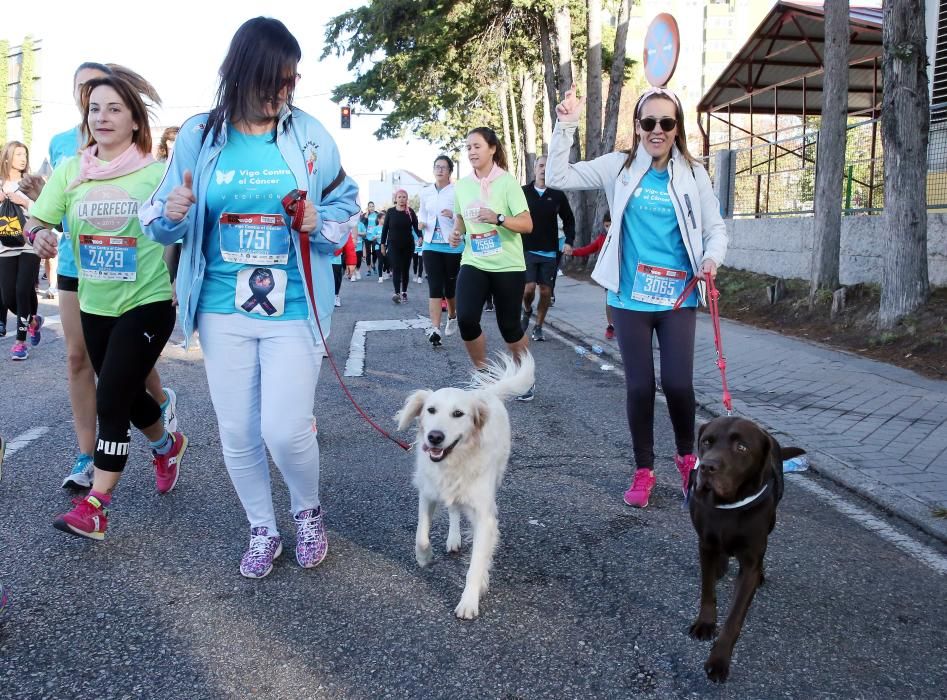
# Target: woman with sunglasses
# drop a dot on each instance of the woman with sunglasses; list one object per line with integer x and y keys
{"x": 669, "y": 231}
{"x": 244, "y": 282}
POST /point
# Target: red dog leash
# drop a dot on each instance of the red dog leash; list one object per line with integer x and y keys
{"x": 294, "y": 204}
{"x": 712, "y": 296}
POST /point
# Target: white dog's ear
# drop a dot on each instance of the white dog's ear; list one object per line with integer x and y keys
{"x": 480, "y": 414}
{"x": 412, "y": 408}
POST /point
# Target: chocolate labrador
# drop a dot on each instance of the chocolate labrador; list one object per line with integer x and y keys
{"x": 732, "y": 494}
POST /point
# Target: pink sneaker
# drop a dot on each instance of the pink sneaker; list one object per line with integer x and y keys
{"x": 88, "y": 519}
{"x": 637, "y": 494}
{"x": 168, "y": 467}
{"x": 685, "y": 465}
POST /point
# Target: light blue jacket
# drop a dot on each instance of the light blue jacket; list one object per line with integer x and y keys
{"x": 310, "y": 153}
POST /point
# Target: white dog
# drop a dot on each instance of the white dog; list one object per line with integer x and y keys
{"x": 464, "y": 440}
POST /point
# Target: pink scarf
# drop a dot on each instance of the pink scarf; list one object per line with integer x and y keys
{"x": 495, "y": 173}
{"x": 91, "y": 168}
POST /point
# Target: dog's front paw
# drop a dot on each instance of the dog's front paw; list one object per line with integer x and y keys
{"x": 701, "y": 630}
{"x": 469, "y": 606}
{"x": 453, "y": 541}
{"x": 422, "y": 555}
{"x": 717, "y": 667}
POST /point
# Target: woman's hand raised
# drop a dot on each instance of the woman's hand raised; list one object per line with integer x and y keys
{"x": 571, "y": 106}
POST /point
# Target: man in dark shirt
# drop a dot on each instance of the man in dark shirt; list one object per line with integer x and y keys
{"x": 546, "y": 205}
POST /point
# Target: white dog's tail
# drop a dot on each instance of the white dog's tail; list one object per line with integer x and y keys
{"x": 505, "y": 377}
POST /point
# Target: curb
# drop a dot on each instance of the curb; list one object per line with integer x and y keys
{"x": 835, "y": 469}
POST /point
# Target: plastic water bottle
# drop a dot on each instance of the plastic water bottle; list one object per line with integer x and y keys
{"x": 579, "y": 350}
{"x": 796, "y": 464}
{"x": 598, "y": 349}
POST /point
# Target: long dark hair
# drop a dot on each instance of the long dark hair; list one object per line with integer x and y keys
{"x": 132, "y": 98}
{"x": 490, "y": 136}
{"x": 253, "y": 70}
{"x": 680, "y": 140}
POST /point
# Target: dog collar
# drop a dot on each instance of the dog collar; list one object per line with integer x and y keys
{"x": 746, "y": 501}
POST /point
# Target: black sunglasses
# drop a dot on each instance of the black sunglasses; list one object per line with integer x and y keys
{"x": 667, "y": 123}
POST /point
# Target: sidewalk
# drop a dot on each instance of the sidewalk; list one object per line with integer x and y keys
{"x": 876, "y": 429}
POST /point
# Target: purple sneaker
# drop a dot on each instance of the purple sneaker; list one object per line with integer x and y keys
{"x": 311, "y": 543}
{"x": 33, "y": 330}
{"x": 257, "y": 561}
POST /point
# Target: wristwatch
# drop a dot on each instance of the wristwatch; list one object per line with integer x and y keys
{"x": 31, "y": 234}
{"x": 500, "y": 219}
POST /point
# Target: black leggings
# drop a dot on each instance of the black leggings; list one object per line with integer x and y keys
{"x": 337, "y": 274}
{"x": 675, "y": 330}
{"x": 400, "y": 261}
{"x": 371, "y": 251}
{"x": 475, "y": 286}
{"x": 442, "y": 269}
{"x": 418, "y": 264}
{"x": 18, "y": 289}
{"x": 123, "y": 350}
{"x": 358, "y": 259}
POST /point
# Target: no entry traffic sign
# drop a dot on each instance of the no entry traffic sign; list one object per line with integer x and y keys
{"x": 662, "y": 44}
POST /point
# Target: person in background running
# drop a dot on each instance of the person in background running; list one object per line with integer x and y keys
{"x": 19, "y": 265}
{"x": 125, "y": 289}
{"x": 368, "y": 223}
{"x": 490, "y": 216}
{"x": 358, "y": 236}
{"x": 384, "y": 264}
{"x": 342, "y": 263}
{"x": 546, "y": 206}
{"x": 670, "y": 232}
{"x": 399, "y": 236}
{"x": 79, "y": 371}
{"x": 594, "y": 247}
{"x": 441, "y": 261}
{"x": 417, "y": 262}
{"x": 259, "y": 291}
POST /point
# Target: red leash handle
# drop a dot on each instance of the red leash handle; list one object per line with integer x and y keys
{"x": 712, "y": 297}
{"x": 294, "y": 204}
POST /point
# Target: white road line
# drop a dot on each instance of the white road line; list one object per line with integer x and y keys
{"x": 879, "y": 527}
{"x": 21, "y": 441}
{"x": 355, "y": 364}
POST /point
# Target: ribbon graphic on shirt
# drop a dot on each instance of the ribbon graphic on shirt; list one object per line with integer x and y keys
{"x": 261, "y": 284}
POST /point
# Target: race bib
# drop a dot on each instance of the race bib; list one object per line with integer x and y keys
{"x": 658, "y": 285}
{"x": 261, "y": 291}
{"x": 254, "y": 239}
{"x": 438, "y": 235}
{"x": 486, "y": 244}
{"x": 108, "y": 258}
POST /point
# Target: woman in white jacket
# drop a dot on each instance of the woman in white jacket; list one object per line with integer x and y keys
{"x": 668, "y": 231}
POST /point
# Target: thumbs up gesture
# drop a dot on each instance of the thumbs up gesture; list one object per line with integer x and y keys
{"x": 180, "y": 199}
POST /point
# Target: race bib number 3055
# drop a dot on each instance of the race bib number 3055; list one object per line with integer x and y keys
{"x": 658, "y": 285}
{"x": 108, "y": 258}
{"x": 254, "y": 239}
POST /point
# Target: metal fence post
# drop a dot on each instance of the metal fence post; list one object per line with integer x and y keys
{"x": 723, "y": 181}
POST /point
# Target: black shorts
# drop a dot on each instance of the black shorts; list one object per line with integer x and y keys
{"x": 475, "y": 287}
{"x": 540, "y": 269}
{"x": 65, "y": 283}
{"x": 442, "y": 269}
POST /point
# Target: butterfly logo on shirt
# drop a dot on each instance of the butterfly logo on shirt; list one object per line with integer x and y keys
{"x": 224, "y": 178}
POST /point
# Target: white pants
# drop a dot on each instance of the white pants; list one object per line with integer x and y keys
{"x": 262, "y": 376}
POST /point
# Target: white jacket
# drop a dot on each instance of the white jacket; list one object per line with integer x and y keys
{"x": 695, "y": 204}
{"x": 432, "y": 204}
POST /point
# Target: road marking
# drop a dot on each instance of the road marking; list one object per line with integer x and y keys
{"x": 876, "y": 525}
{"x": 21, "y": 441}
{"x": 355, "y": 364}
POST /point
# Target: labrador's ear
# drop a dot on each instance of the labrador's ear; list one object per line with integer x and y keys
{"x": 480, "y": 414}
{"x": 774, "y": 454}
{"x": 412, "y": 408}
{"x": 700, "y": 435}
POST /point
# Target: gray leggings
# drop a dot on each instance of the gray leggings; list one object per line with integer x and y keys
{"x": 675, "y": 329}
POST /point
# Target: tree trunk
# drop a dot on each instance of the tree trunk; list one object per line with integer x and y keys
{"x": 563, "y": 22}
{"x": 505, "y": 112}
{"x": 529, "y": 124}
{"x": 593, "y": 80}
{"x": 547, "y": 127}
{"x": 905, "y": 122}
{"x": 616, "y": 79}
{"x": 550, "y": 67}
{"x": 830, "y": 158}
{"x": 516, "y": 158}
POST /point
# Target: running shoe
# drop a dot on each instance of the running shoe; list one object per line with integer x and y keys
{"x": 257, "y": 561}
{"x": 443, "y": 305}
{"x": 609, "y": 332}
{"x": 404, "y": 297}
{"x": 489, "y": 306}
{"x": 81, "y": 475}
{"x": 168, "y": 467}
{"x": 19, "y": 351}
{"x": 396, "y": 298}
{"x": 524, "y": 319}
{"x": 311, "y": 542}
{"x": 538, "y": 334}
{"x": 381, "y": 279}
{"x": 450, "y": 327}
{"x": 338, "y": 301}
{"x": 528, "y": 396}
{"x": 33, "y": 330}
{"x": 368, "y": 273}
{"x": 685, "y": 465}
{"x": 170, "y": 412}
{"x": 640, "y": 490}
{"x": 49, "y": 293}
{"x": 434, "y": 337}
{"x": 88, "y": 519}
{"x": 552, "y": 301}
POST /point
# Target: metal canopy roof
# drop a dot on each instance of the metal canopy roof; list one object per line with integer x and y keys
{"x": 785, "y": 52}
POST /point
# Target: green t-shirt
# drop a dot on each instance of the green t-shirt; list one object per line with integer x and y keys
{"x": 490, "y": 247}
{"x": 119, "y": 268}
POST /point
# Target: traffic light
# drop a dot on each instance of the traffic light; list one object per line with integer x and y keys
{"x": 346, "y": 117}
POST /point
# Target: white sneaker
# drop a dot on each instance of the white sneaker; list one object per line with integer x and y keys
{"x": 381, "y": 280}
{"x": 450, "y": 327}
{"x": 170, "y": 414}
{"x": 419, "y": 280}
{"x": 338, "y": 300}
{"x": 558, "y": 273}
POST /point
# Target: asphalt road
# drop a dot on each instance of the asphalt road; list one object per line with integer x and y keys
{"x": 588, "y": 599}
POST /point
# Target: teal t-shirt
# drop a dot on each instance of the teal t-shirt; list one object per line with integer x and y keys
{"x": 654, "y": 261}
{"x": 62, "y": 146}
{"x": 251, "y": 262}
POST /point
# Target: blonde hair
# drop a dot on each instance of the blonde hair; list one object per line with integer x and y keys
{"x": 6, "y": 160}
